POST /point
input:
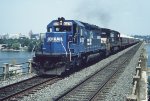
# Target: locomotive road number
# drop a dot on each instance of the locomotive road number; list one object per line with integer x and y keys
{"x": 54, "y": 39}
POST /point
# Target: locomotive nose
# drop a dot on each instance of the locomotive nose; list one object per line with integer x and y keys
{"x": 57, "y": 43}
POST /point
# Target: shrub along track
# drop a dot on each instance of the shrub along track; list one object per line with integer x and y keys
{"x": 97, "y": 86}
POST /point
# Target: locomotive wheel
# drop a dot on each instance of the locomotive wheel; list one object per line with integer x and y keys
{"x": 79, "y": 62}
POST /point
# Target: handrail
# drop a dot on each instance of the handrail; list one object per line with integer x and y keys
{"x": 69, "y": 50}
{"x": 64, "y": 48}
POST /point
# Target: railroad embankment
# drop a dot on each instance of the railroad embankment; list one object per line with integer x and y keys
{"x": 122, "y": 88}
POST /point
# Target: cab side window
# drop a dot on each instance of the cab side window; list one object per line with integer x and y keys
{"x": 49, "y": 29}
{"x": 75, "y": 32}
{"x": 81, "y": 32}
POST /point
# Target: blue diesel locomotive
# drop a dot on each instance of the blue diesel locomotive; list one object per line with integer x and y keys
{"x": 69, "y": 44}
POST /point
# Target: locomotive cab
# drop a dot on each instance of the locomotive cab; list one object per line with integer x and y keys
{"x": 58, "y": 33}
{"x": 58, "y": 46}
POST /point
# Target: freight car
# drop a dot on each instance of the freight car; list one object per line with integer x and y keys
{"x": 69, "y": 44}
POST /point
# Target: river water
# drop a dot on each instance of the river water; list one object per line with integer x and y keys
{"x": 14, "y": 57}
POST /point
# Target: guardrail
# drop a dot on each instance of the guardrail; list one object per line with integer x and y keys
{"x": 9, "y": 70}
{"x": 135, "y": 90}
{"x": 141, "y": 66}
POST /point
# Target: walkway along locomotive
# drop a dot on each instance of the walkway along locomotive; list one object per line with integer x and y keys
{"x": 68, "y": 44}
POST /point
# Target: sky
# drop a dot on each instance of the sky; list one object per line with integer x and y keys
{"x": 130, "y": 17}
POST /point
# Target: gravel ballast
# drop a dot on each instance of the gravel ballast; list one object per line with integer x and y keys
{"x": 55, "y": 90}
{"x": 15, "y": 79}
{"x": 124, "y": 86}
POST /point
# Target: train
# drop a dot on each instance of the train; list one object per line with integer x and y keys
{"x": 70, "y": 44}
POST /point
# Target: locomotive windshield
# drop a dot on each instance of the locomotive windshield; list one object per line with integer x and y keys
{"x": 62, "y": 27}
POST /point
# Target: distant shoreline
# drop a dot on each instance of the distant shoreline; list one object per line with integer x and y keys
{"x": 11, "y": 50}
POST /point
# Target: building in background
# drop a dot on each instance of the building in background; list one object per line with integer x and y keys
{"x": 4, "y": 36}
{"x": 34, "y": 36}
{"x": 12, "y": 36}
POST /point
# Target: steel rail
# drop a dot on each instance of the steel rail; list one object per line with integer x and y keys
{"x": 22, "y": 86}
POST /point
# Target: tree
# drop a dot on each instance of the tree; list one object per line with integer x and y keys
{"x": 1, "y": 41}
{"x": 16, "y": 46}
{"x": 31, "y": 46}
{"x": 24, "y": 42}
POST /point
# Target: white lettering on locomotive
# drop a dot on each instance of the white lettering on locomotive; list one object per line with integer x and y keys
{"x": 89, "y": 41}
{"x": 54, "y": 39}
{"x": 104, "y": 40}
{"x": 82, "y": 40}
{"x": 98, "y": 37}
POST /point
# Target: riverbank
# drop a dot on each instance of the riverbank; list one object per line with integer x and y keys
{"x": 13, "y": 50}
{"x": 10, "y": 50}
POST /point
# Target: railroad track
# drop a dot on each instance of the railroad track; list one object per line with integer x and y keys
{"x": 17, "y": 90}
{"x": 97, "y": 86}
